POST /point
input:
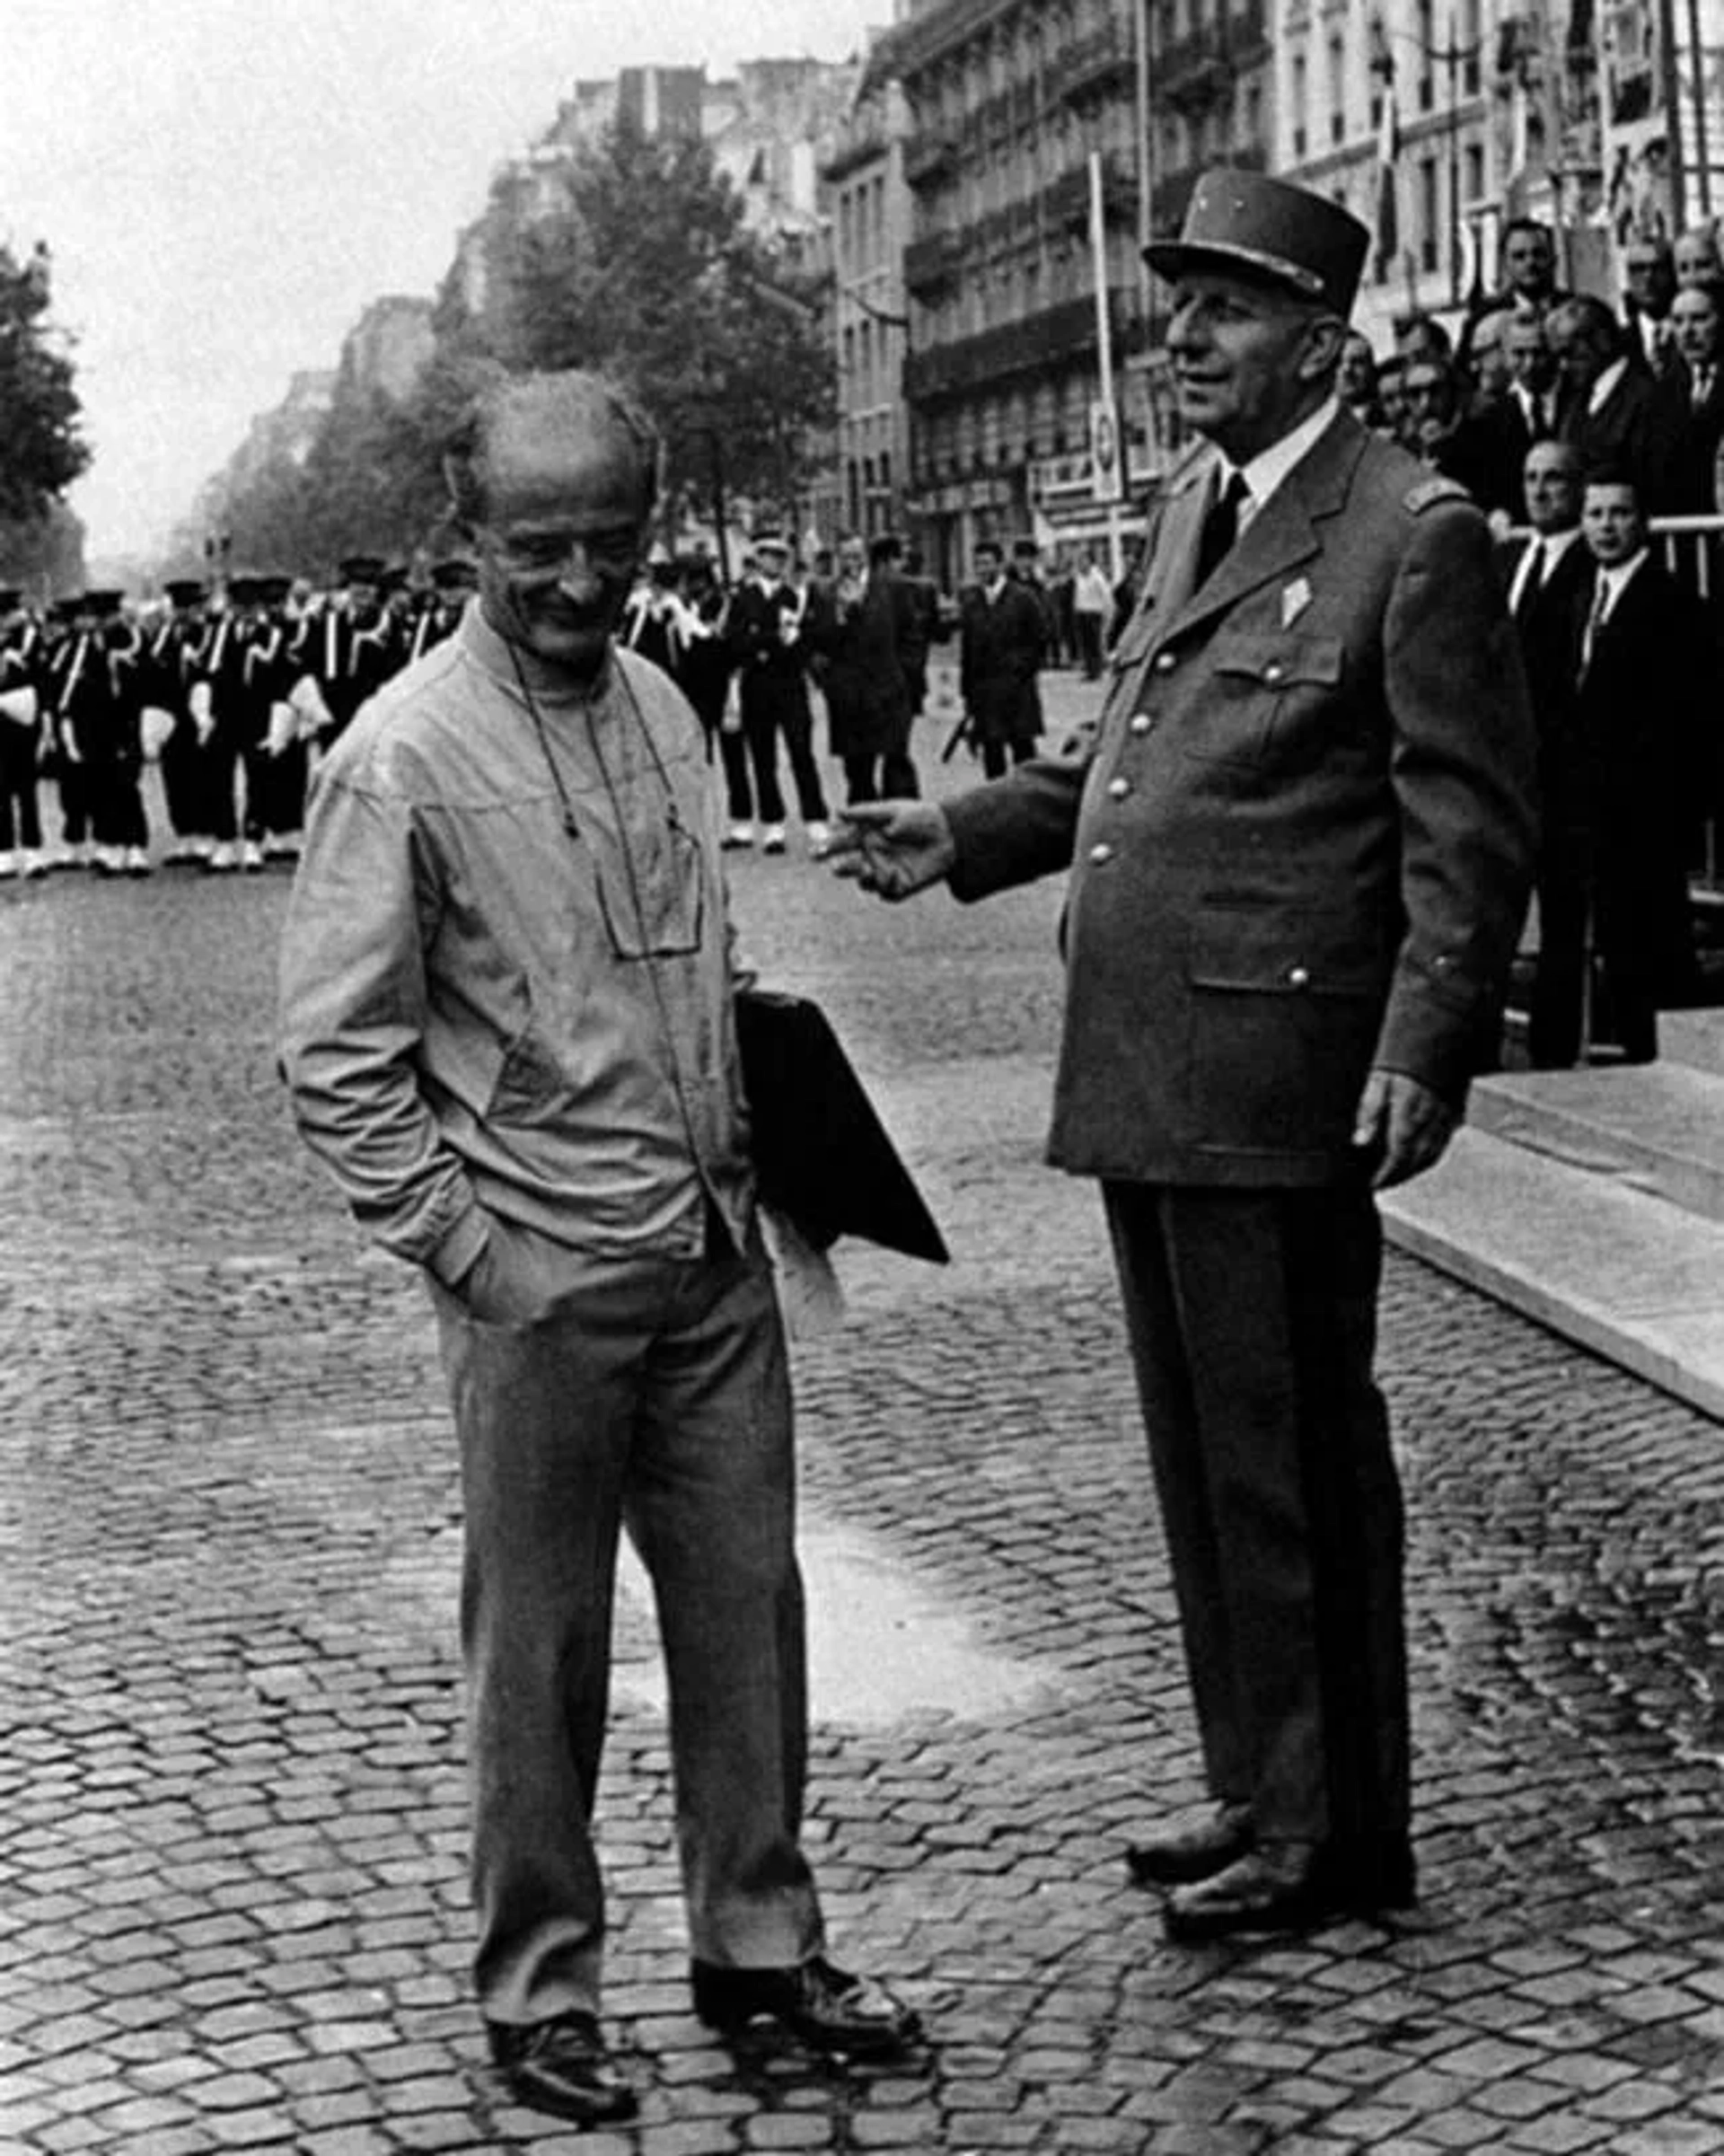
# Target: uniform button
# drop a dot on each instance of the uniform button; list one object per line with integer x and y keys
{"x": 1273, "y": 671}
{"x": 1140, "y": 722}
{"x": 1298, "y": 976}
{"x": 1165, "y": 662}
{"x": 1101, "y": 853}
{"x": 1117, "y": 788}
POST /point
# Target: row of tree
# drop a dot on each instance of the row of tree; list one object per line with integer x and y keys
{"x": 643, "y": 268}
{"x": 41, "y": 451}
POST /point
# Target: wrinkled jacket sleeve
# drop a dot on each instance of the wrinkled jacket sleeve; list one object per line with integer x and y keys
{"x": 353, "y": 1006}
{"x": 1461, "y": 765}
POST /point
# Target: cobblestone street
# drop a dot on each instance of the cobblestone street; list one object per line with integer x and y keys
{"x": 233, "y": 1908}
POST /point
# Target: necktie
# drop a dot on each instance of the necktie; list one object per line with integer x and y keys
{"x": 1595, "y": 622}
{"x": 1531, "y": 579}
{"x": 1221, "y": 527}
{"x": 1703, "y": 386}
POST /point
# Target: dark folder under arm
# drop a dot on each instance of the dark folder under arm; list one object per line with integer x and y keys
{"x": 821, "y": 1154}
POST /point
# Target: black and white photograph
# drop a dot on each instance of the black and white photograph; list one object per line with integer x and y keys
{"x": 862, "y": 1078}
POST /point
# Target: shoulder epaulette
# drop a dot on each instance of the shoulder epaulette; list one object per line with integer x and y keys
{"x": 1436, "y": 489}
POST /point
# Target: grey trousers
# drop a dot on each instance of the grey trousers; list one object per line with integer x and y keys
{"x": 1253, "y": 1319}
{"x": 651, "y": 1393}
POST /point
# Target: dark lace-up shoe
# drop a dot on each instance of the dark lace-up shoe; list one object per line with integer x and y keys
{"x": 829, "y": 2009}
{"x": 562, "y": 2066}
{"x": 1193, "y": 1847}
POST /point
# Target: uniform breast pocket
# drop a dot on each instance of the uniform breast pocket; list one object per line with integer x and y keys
{"x": 1263, "y": 691}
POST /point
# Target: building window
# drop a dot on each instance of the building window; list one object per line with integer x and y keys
{"x": 1425, "y": 33}
{"x": 1429, "y": 216}
{"x": 1474, "y": 171}
{"x": 1337, "y": 88}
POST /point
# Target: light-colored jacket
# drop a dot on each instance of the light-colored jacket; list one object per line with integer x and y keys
{"x": 485, "y": 1011}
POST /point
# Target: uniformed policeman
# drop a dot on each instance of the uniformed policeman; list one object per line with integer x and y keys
{"x": 1299, "y": 853}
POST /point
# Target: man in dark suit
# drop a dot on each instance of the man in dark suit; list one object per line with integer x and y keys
{"x": 1637, "y": 769}
{"x": 856, "y": 630}
{"x": 1697, "y": 323}
{"x": 1531, "y": 380}
{"x": 1549, "y": 578}
{"x": 1649, "y": 281}
{"x": 1614, "y": 413}
{"x": 1002, "y": 637}
{"x": 1298, "y": 852}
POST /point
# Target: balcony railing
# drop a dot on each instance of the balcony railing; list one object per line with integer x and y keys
{"x": 1039, "y": 341}
{"x": 1066, "y": 201}
{"x": 932, "y": 264}
{"x": 1093, "y": 64}
{"x": 929, "y": 156}
{"x": 861, "y": 141}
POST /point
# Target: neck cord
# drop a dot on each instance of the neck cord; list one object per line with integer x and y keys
{"x": 683, "y": 1113}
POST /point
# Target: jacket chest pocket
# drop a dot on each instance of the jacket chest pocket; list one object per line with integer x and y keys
{"x": 1256, "y": 693}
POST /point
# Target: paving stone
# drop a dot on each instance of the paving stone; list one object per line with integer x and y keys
{"x": 232, "y": 1820}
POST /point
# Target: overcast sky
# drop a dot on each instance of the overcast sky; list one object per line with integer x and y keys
{"x": 226, "y": 183}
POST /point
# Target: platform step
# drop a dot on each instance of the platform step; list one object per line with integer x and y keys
{"x": 1659, "y": 1125}
{"x": 1579, "y": 1248}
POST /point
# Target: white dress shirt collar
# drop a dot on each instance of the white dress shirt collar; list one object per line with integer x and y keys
{"x": 1267, "y": 470}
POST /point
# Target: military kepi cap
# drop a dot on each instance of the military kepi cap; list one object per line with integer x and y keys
{"x": 1249, "y": 223}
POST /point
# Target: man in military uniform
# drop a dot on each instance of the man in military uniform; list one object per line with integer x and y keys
{"x": 453, "y": 583}
{"x": 1300, "y": 851}
{"x": 22, "y": 664}
{"x": 351, "y": 648}
{"x": 168, "y": 652}
{"x": 767, "y": 618}
{"x": 218, "y": 701}
{"x": 272, "y": 746}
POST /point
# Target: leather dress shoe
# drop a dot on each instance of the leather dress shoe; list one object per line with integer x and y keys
{"x": 1276, "y": 1887}
{"x": 562, "y": 2066}
{"x": 1194, "y": 1847}
{"x": 828, "y": 2008}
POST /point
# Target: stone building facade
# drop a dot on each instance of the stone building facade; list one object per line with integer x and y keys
{"x": 866, "y": 205}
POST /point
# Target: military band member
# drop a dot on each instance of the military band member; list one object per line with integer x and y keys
{"x": 271, "y": 748}
{"x": 351, "y": 648}
{"x": 170, "y": 650}
{"x": 768, "y": 619}
{"x": 217, "y": 700}
{"x": 453, "y": 583}
{"x": 22, "y": 664}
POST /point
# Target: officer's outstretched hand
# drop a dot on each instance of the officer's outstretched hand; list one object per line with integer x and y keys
{"x": 893, "y": 848}
{"x": 1403, "y": 1125}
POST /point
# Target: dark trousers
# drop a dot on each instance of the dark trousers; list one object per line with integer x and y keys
{"x": 185, "y": 781}
{"x": 220, "y": 777}
{"x": 1597, "y": 916}
{"x": 770, "y": 711}
{"x": 996, "y": 754}
{"x": 733, "y": 755}
{"x": 1253, "y": 1322}
{"x": 1090, "y": 644}
{"x": 75, "y": 801}
{"x": 890, "y": 776}
{"x": 19, "y": 824}
{"x": 116, "y": 803}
